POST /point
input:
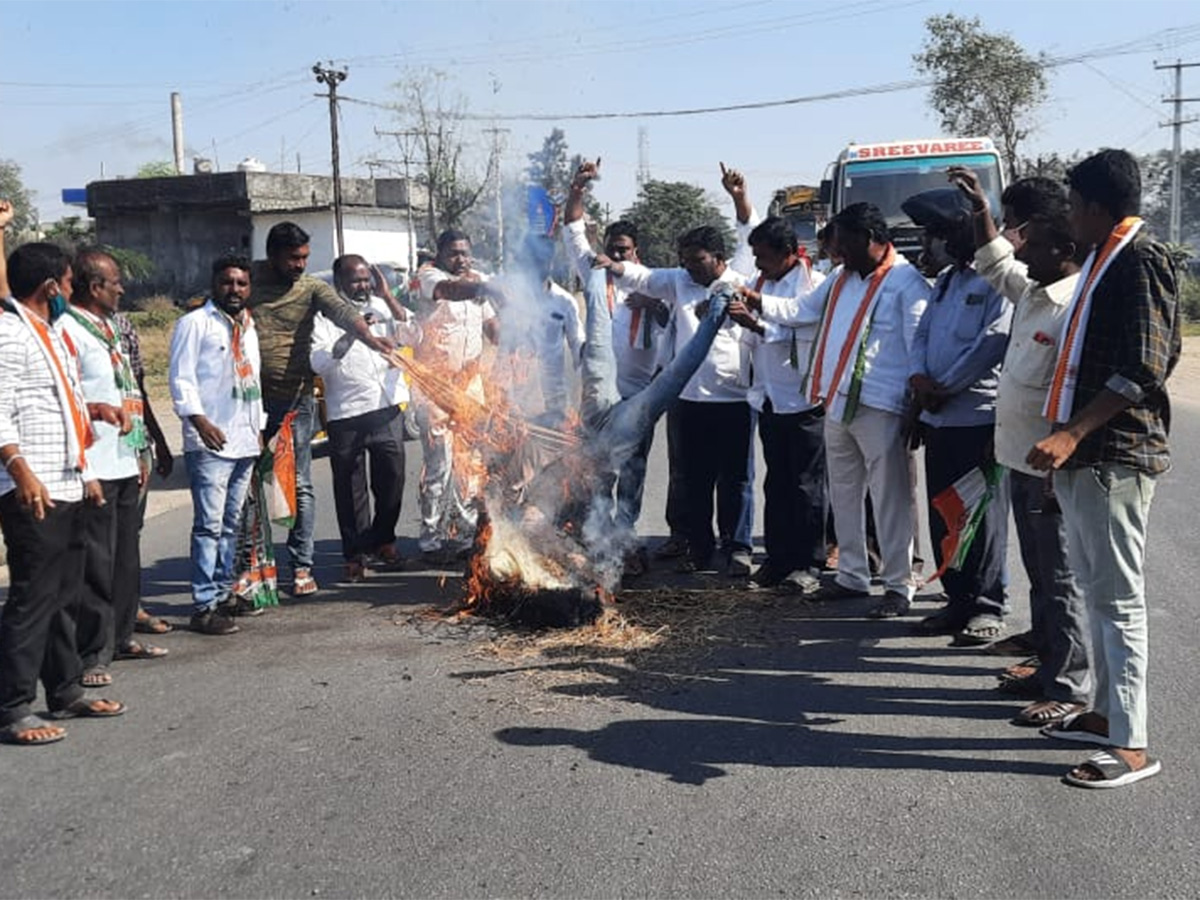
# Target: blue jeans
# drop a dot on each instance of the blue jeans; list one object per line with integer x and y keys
{"x": 300, "y": 538}
{"x": 219, "y": 488}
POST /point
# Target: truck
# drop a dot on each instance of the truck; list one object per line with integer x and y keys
{"x": 889, "y": 173}
{"x": 801, "y": 205}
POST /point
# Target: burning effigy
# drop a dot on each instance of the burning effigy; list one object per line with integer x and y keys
{"x": 546, "y": 550}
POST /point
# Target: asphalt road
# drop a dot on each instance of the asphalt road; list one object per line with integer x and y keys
{"x": 350, "y": 745}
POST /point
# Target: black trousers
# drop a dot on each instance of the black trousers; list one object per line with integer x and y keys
{"x": 718, "y": 453}
{"x": 950, "y": 453}
{"x": 677, "y": 499}
{"x": 37, "y": 627}
{"x": 796, "y": 501}
{"x": 371, "y": 444}
{"x": 112, "y": 572}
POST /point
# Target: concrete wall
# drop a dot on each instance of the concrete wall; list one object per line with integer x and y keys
{"x": 182, "y": 245}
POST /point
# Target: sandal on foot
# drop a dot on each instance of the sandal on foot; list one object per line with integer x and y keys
{"x": 31, "y": 731}
{"x": 1046, "y": 712}
{"x": 1071, "y": 729}
{"x": 84, "y": 708}
{"x": 141, "y": 650}
{"x": 1022, "y": 669}
{"x": 148, "y": 624}
{"x": 97, "y": 676}
{"x": 980, "y": 630}
{"x": 1113, "y": 769}
{"x": 303, "y": 583}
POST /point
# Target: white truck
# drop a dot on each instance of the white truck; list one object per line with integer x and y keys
{"x": 887, "y": 174}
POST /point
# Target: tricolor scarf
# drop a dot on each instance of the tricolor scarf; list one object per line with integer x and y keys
{"x": 857, "y": 336}
{"x": 66, "y": 385}
{"x": 246, "y": 386}
{"x": 131, "y": 394}
{"x": 1061, "y": 398}
{"x": 640, "y": 325}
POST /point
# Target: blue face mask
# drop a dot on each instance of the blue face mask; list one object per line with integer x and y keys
{"x": 58, "y": 306}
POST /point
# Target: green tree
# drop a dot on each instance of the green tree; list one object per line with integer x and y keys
{"x": 14, "y": 191}
{"x": 1156, "y": 194}
{"x": 549, "y": 167}
{"x": 664, "y": 210}
{"x": 71, "y": 232}
{"x": 159, "y": 168}
{"x": 984, "y": 83}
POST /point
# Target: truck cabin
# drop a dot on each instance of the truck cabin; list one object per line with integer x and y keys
{"x": 888, "y": 174}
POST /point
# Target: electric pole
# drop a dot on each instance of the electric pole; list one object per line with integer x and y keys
{"x": 1177, "y": 122}
{"x": 404, "y": 142}
{"x": 497, "y": 150}
{"x": 332, "y": 78}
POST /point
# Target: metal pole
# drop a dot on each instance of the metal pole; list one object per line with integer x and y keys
{"x": 1175, "y": 228}
{"x": 332, "y": 78}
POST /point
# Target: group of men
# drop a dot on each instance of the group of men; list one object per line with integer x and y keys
{"x": 1033, "y": 373}
{"x": 1034, "y": 364}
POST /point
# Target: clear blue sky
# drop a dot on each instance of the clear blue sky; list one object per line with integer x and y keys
{"x": 86, "y": 85}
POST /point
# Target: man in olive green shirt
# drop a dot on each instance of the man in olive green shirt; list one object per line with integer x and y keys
{"x": 284, "y": 301}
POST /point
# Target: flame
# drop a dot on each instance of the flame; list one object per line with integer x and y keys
{"x": 497, "y": 453}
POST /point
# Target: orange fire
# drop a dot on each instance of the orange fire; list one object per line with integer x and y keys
{"x": 497, "y": 453}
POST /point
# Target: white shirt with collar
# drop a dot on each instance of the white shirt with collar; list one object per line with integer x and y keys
{"x": 1032, "y": 351}
{"x": 781, "y": 352}
{"x": 637, "y": 357}
{"x": 899, "y": 304}
{"x": 361, "y": 381}
{"x": 724, "y": 376}
{"x": 202, "y": 382}
{"x": 451, "y": 330}
{"x": 109, "y": 457}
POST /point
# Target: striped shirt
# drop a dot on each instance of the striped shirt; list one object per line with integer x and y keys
{"x": 30, "y": 413}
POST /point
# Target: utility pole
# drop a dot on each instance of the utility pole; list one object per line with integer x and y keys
{"x": 1177, "y": 122}
{"x": 497, "y": 150}
{"x": 332, "y": 78}
{"x": 404, "y": 142}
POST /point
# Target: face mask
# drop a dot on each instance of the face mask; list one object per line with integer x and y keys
{"x": 58, "y": 306}
{"x": 938, "y": 255}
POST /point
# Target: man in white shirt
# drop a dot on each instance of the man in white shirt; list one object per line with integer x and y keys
{"x": 457, "y": 318}
{"x": 637, "y": 330}
{"x": 869, "y": 312}
{"x": 1039, "y": 278}
{"x": 363, "y": 394}
{"x": 716, "y": 422}
{"x": 112, "y": 572}
{"x": 539, "y": 320}
{"x": 216, "y": 390}
{"x": 790, "y": 425}
{"x": 44, "y": 482}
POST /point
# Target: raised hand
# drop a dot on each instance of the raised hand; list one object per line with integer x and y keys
{"x": 587, "y": 172}
{"x": 734, "y": 182}
{"x": 968, "y": 182}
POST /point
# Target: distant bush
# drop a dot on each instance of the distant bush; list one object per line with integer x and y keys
{"x": 155, "y": 312}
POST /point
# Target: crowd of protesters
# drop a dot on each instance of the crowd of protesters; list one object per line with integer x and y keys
{"x": 1027, "y": 357}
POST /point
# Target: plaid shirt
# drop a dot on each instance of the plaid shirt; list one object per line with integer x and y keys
{"x": 130, "y": 344}
{"x": 1131, "y": 347}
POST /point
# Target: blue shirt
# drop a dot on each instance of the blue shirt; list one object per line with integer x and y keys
{"x": 960, "y": 344}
